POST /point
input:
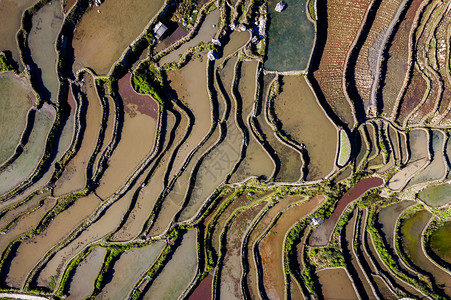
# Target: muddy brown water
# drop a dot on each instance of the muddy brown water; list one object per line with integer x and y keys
{"x": 218, "y": 163}
{"x": 17, "y": 99}
{"x": 13, "y": 213}
{"x": 41, "y": 41}
{"x": 74, "y": 175}
{"x": 321, "y": 234}
{"x": 221, "y": 220}
{"x": 272, "y": 251}
{"x": 304, "y": 120}
{"x": 290, "y": 159}
{"x": 236, "y": 40}
{"x": 183, "y": 266}
{"x": 348, "y": 246}
{"x": 192, "y": 91}
{"x": 11, "y": 16}
{"x": 256, "y": 162}
{"x": 175, "y": 198}
{"x": 265, "y": 221}
{"x": 82, "y": 283}
{"x": 31, "y": 250}
{"x": 295, "y": 290}
{"x": 230, "y": 276}
{"x": 148, "y": 194}
{"x": 129, "y": 268}
{"x": 203, "y": 290}
{"x": 106, "y": 224}
{"x": 109, "y": 131}
{"x": 397, "y": 62}
{"x": 101, "y": 38}
{"x": 25, "y": 223}
{"x": 205, "y": 33}
{"x": 26, "y": 163}
{"x": 336, "y": 282}
{"x": 138, "y": 137}
{"x": 412, "y": 229}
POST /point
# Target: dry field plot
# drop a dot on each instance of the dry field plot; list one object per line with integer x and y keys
{"x": 342, "y": 31}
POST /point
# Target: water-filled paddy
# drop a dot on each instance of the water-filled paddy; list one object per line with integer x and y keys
{"x": 25, "y": 223}
{"x": 356, "y": 272}
{"x": 271, "y": 247}
{"x": 16, "y": 99}
{"x": 231, "y": 270}
{"x": 178, "y": 272}
{"x": 11, "y": 16}
{"x": 129, "y": 268}
{"x": 101, "y": 38}
{"x": 436, "y": 195}
{"x": 321, "y": 235}
{"x": 290, "y": 159}
{"x": 26, "y": 163}
{"x": 82, "y": 283}
{"x": 437, "y": 169}
{"x": 138, "y": 136}
{"x": 149, "y": 193}
{"x": 31, "y": 250}
{"x": 441, "y": 242}
{"x": 411, "y": 230}
{"x": 109, "y": 221}
{"x": 220, "y": 161}
{"x": 290, "y": 38}
{"x": 46, "y": 26}
{"x": 206, "y": 32}
{"x": 176, "y": 196}
{"x": 419, "y": 157}
{"x": 388, "y": 216}
{"x": 74, "y": 175}
{"x": 192, "y": 91}
{"x": 336, "y": 281}
{"x": 257, "y": 162}
{"x": 109, "y": 130}
{"x": 304, "y": 120}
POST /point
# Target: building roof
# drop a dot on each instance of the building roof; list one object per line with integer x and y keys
{"x": 159, "y": 30}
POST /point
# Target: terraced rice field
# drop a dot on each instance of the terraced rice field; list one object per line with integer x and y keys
{"x": 46, "y": 26}
{"x": 11, "y": 13}
{"x": 244, "y": 153}
{"x": 101, "y": 37}
{"x": 17, "y": 99}
{"x": 306, "y": 123}
{"x": 440, "y": 242}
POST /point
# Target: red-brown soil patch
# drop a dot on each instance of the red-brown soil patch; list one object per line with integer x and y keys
{"x": 203, "y": 290}
{"x": 143, "y": 103}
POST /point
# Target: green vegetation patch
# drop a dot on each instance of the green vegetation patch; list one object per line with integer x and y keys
{"x": 326, "y": 257}
{"x": 440, "y": 241}
{"x": 436, "y": 196}
{"x": 5, "y": 64}
{"x": 311, "y": 9}
{"x": 345, "y": 149}
{"x": 147, "y": 79}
